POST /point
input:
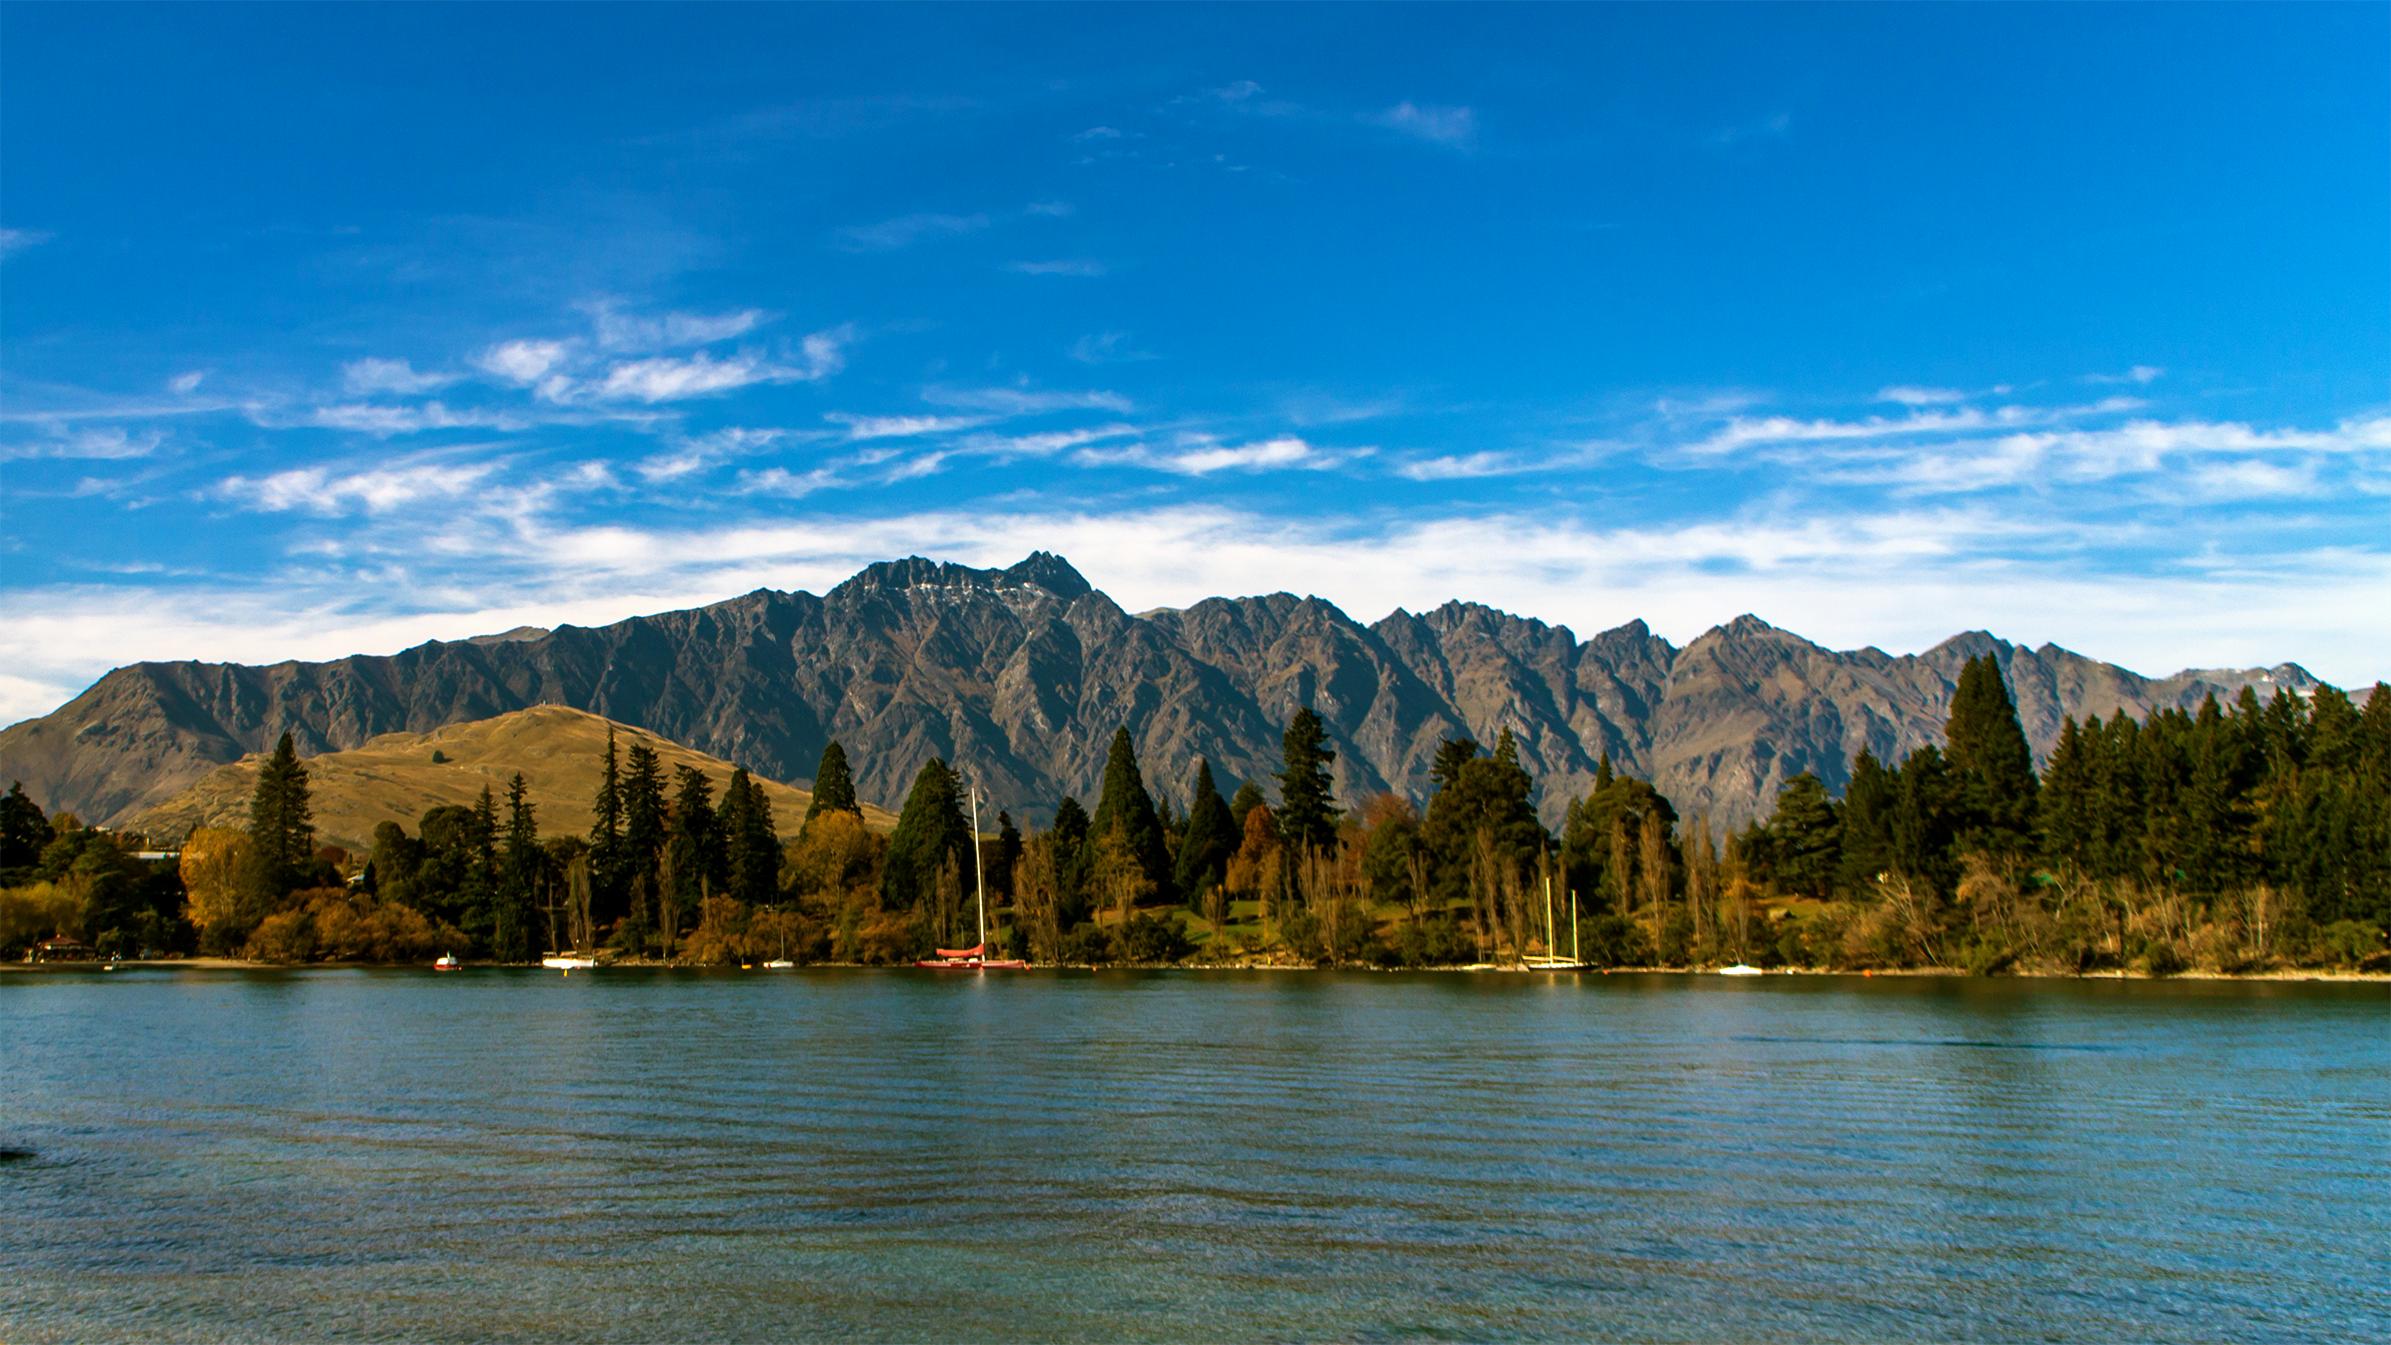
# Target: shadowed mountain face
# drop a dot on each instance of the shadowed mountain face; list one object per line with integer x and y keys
{"x": 1021, "y": 675}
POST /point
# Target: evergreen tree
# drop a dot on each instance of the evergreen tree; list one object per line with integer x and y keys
{"x": 1307, "y": 811}
{"x": 1210, "y": 838}
{"x": 1247, "y": 798}
{"x": 751, "y": 844}
{"x": 695, "y": 840}
{"x": 608, "y": 870}
{"x": 1125, "y": 807}
{"x": 2067, "y": 800}
{"x": 522, "y": 870}
{"x": 644, "y": 834}
{"x": 1805, "y": 837}
{"x": 281, "y": 827}
{"x": 1454, "y": 753}
{"x": 24, "y": 830}
{"x": 1072, "y": 858}
{"x": 834, "y": 785}
{"x": 1922, "y": 818}
{"x": 931, "y": 833}
{"x": 1869, "y": 803}
{"x": 1992, "y": 768}
{"x": 1004, "y": 857}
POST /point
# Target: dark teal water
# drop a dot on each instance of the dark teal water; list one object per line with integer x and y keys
{"x": 353, "y": 1155}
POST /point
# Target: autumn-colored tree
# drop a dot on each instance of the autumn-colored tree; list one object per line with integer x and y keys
{"x": 215, "y": 871}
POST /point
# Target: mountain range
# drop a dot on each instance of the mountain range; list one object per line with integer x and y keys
{"x": 1021, "y": 675}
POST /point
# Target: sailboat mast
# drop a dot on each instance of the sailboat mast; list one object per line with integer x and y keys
{"x": 1549, "y": 950}
{"x": 979, "y": 879}
{"x": 1573, "y": 956}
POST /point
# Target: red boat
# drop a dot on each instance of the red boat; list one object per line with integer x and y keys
{"x": 974, "y": 958}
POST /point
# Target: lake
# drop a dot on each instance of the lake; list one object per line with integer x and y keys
{"x": 653, "y": 1155}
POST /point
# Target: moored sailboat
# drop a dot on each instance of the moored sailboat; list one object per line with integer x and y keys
{"x": 974, "y": 958}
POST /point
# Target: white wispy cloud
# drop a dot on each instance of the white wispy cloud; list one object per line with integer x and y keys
{"x": 904, "y": 231}
{"x": 1107, "y": 348}
{"x": 369, "y": 376}
{"x": 667, "y": 378}
{"x": 1747, "y": 431}
{"x": 617, "y": 330}
{"x": 901, "y": 427}
{"x": 1024, "y": 401}
{"x": 2141, "y": 375}
{"x": 386, "y": 418}
{"x": 1467, "y": 466}
{"x": 1050, "y": 209}
{"x": 14, "y": 241}
{"x": 1454, "y": 126}
{"x": 378, "y": 490}
{"x": 184, "y": 384}
{"x": 525, "y": 362}
{"x": 1081, "y": 267}
{"x": 1910, "y": 395}
{"x": 90, "y": 442}
{"x": 1198, "y": 455}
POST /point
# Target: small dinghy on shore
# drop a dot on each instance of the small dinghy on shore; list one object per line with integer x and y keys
{"x": 568, "y": 962}
{"x": 1739, "y": 969}
{"x": 446, "y": 962}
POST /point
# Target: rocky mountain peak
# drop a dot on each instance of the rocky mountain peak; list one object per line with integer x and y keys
{"x": 1050, "y": 572}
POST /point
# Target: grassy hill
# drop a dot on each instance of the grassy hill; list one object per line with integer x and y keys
{"x": 394, "y": 778}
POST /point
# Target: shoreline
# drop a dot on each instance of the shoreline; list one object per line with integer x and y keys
{"x": 1934, "y": 973}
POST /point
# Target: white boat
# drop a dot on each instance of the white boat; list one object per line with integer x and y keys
{"x": 1740, "y": 969}
{"x": 779, "y": 964}
{"x": 446, "y": 962}
{"x": 568, "y": 962}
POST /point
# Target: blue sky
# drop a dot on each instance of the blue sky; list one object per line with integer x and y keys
{"x": 333, "y": 329}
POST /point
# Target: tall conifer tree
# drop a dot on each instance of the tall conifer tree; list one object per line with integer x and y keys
{"x": 1307, "y": 811}
{"x": 1124, "y": 806}
{"x": 834, "y": 785}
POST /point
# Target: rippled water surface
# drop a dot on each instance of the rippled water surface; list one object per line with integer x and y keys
{"x": 653, "y": 1156}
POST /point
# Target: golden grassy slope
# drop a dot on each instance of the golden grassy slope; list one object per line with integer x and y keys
{"x": 392, "y": 778}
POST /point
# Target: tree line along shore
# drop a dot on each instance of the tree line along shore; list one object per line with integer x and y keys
{"x": 2250, "y": 838}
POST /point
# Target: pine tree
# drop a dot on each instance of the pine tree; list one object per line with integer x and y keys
{"x": 1211, "y": 837}
{"x": 751, "y": 846}
{"x": 522, "y": 867}
{"x": 1307, "y": 812}
{"x": 1071, "y": 862}
{"x": 834, "y": 785}
{"x": 1869, "y": 803}
{"x": 1992, "y": 768}
{"x": 1125, "y": 807}
{"x": 281, "y": 827}
{"x": 1247, "y": 798}
{"x": 695, "y": 839}
{"x": 644, "y": 834}
{"x": 931, "y": 833}
{"x": 24, "y": 830}
{"x": 1805, "y": 837}
{"x": 607, "y": 868}
{"x": 2066, "y": 805}
{"x": 1922, "y": 826}
{"x": 1004, "y": 857}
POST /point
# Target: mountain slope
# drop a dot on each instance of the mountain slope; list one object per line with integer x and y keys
{"x": 1022, "y": 674}
{"x": 393, "y": 778}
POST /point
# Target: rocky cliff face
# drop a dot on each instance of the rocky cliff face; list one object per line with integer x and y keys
{"x": 1022, "y": 674}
